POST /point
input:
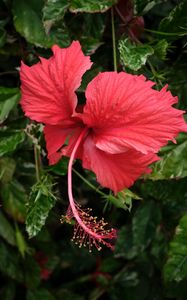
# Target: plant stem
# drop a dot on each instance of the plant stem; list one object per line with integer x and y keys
{"x": 166, "y": 33}
{"x": 154, "y": 73}
{"x": 88, "y": 183}
{"x": 37, "y": 162}
{"x": 113, "y": 40}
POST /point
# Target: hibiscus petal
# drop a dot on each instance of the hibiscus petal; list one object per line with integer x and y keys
{"x": 56, "y": 136}
{"x": 115, "y": 171}
{"x": 48, "y": 87}
{"x": 125, "y": 112}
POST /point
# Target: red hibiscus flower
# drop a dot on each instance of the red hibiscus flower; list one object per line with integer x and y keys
{"x": 123, "y": 124}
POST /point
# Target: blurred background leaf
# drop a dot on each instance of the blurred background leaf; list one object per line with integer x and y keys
{"x": 91, "y": 6}
{"x": 176, "y": 21}
{"x": 8, "y": 100}
{"x": 175, "y": 268}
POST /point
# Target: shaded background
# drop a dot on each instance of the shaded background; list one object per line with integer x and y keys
{"x": 38, "y": 261}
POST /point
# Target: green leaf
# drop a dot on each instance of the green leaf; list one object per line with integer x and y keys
{"x": 171, "y": 194}
{"x": 124, "y": 246}
{"x": 176, "y": 77}
{"x": 160, "y": 49}
{"x": 39, "y": 294}
{"x": 55, "y": 28}
{"x": 61, "y": 168}
{"x": 21, "y": 243}
{"x": 40, "y": 203}
{"x": 9, "y": 97}
{"x": 54, "y": 11}
{"x": 175, "y": 268}
{"x": 91, "y": 6}
{"x": 59, "y": 34}
{"x": 127, "y": 278}
{"x": 176, "y": 21}
{"x": 9, "y": 141}
{"x": 132, "y": 55}
{"x": 7, "y": 168}
{"x": 88, "y": 29}
{"x": 93, "y": 26}
{"x": 10, "y": 263}
{"x": 6, "y": 230}
{"x": 123, "y": 199}
{"x": 14, "y": 200}
{"x": 171, "y": 165}
{"x": 143, "y": 6}
{"x": 145, "y": 221}
{"x": 90, "y": 44}
{"x": 27, "y": 21}
{"x": 129, "y": 248}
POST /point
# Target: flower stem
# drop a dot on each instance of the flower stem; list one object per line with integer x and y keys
{"x": 37, "y": 162}
{"x": 88, "y": 229}
{"x": 70, "y": 195}
{"x": 113, "y": 40}
{"x": 154, "y": 73}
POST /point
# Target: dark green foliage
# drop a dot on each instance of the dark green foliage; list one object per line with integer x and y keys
{"x": 10, "y": 140}
{"x": 176, "y": 21}
{"x": 172, "y": 165}
{"x": 143, "y": 6}
{"x": 38, "y": 261}
{"x": 39, "y": 294}
{"x": 6, "y": 230}
{"x": 91, "y": 6}
{"x": 9, "y": 99}
{"x": 175, "y": 268}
